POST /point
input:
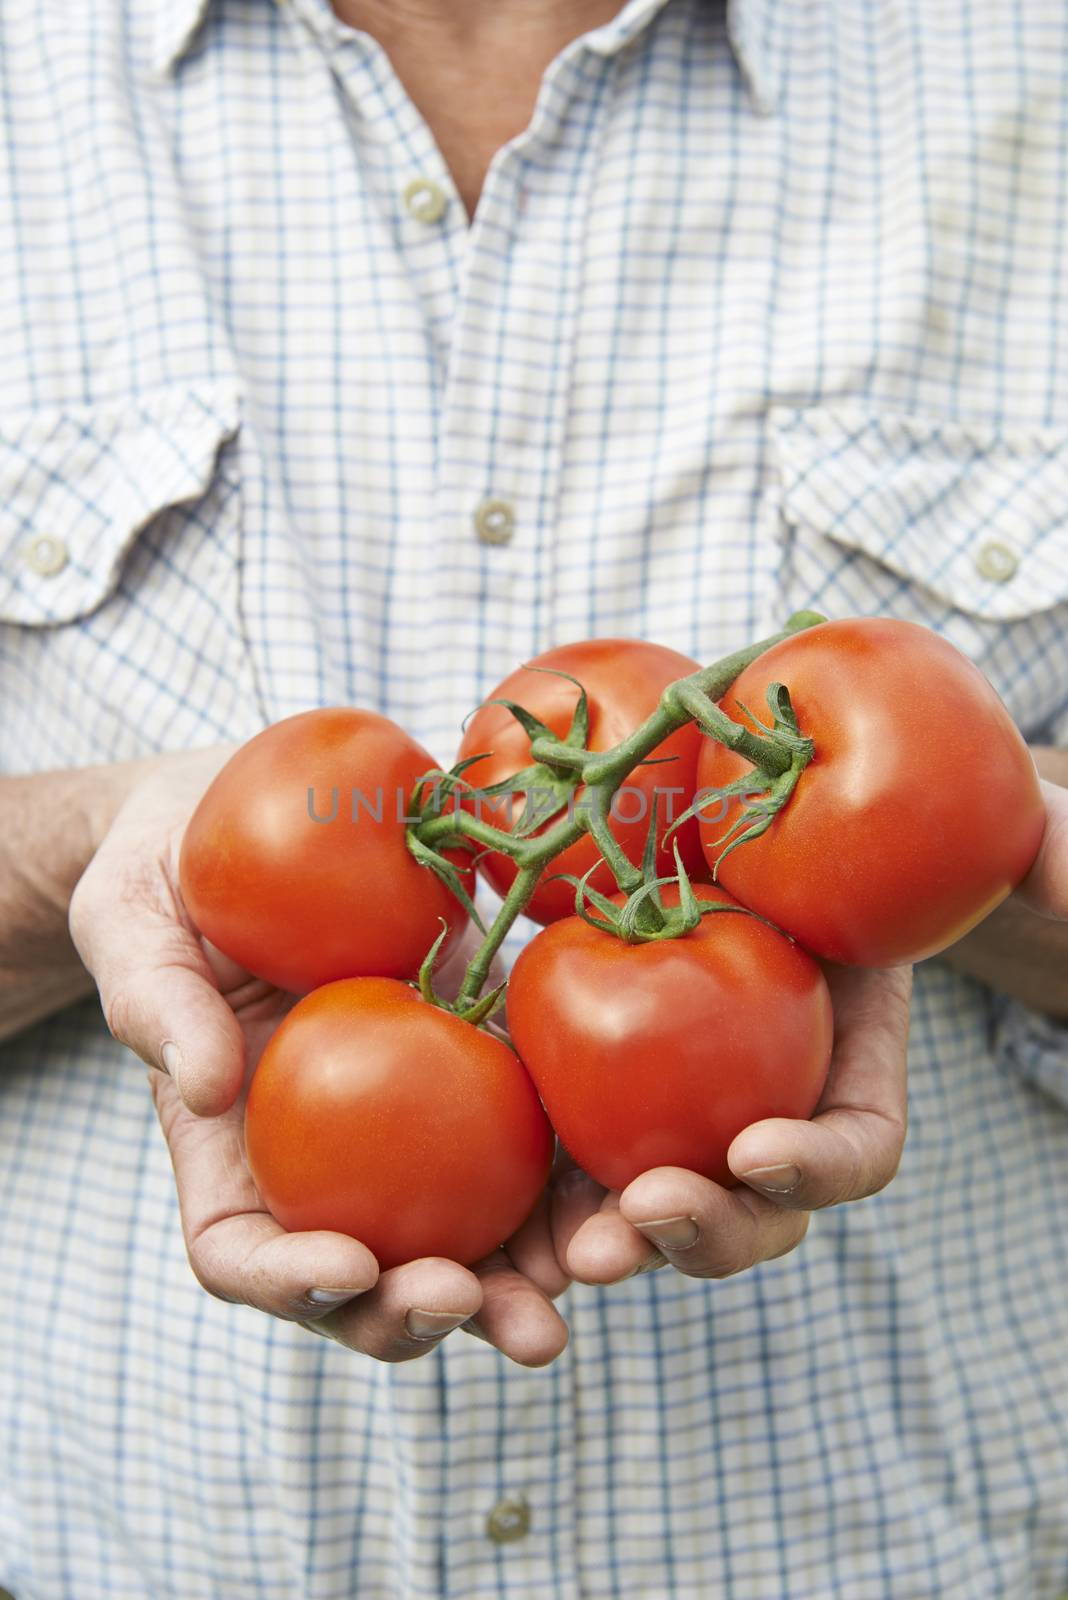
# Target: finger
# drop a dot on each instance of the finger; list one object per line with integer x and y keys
{"x": 1045, "y": 888}
{"x": 607, "y": 1248}
{"x": 157, "y": 990}
{"x": 531, "y": 1250}
{"x": 408, "y": 1312}
{"x": 516, "y": 1316}
{"x": 707, "y": 1231}
{"x": 853, "y": 1144}
{"x": 236, "y": 1249}
{"x": 574, "y": 1197}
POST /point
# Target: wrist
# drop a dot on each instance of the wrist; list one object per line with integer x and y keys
{"x": 104, "y": 790}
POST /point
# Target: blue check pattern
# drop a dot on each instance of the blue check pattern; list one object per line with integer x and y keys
{"x": 766, "y": 308}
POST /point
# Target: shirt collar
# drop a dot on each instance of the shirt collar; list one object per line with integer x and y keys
{"x": 759, "y": 33}
{"x": 635, "y": 17}
{"x": 175, "y": 23}
{"x": 757, "y": 30}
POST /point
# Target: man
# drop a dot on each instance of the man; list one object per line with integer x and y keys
{"x": 355, "y": 356}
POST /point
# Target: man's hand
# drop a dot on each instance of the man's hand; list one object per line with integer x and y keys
{"x": 201, "y": 1023}
{"x": 1045, "y": 889}
{"x": 851, "y": 1148}
{"x": 331, "y": 1283}
{"x": 1021, "y": 949}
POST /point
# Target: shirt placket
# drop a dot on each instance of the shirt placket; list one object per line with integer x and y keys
{"x": 508, "y": 1466}
{"x": 486, "y": 1480}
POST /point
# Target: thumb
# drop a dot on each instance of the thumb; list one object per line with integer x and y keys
{"x": 157, "y": 990}
{"x": 1045, "y": 889}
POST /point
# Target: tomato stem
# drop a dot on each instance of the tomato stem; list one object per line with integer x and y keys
{"x": 515, "y": 901}
{"x": 779, "y": 754}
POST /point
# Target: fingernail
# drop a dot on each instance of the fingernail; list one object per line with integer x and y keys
{"x": 776, "y": 1180}
{"x": 671, "y": 1233}
{"x": 431, "y": 1324}
{"x": 331, "y": 1297}
{"x": 650, "y": 1264}
{"x": 171, "y": 1059}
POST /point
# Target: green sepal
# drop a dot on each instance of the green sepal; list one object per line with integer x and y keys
{"x": 517, "y": 783}
{"x": 765, "y": 797}
{"x": 628, "y": 929}
{"x": 426, "y": 969}
{"x": 798, "y": 621}
{"x": 761, "y": 811}
{"x": 545, "y": 792}
{"x": 740, "y": 786}
{"x": 710, "y": 906}
{"x": 579, "y": 731}
{"x": 583, "y": 892}
{"x": 531, "y": 725}
{"x": 688, "y": 902}
{"x": 480, "y": 1011}
{"x": 443, "y": 785}
{"x": 783, "y": 728}
{"x": 449, "y": 873}
{"x": 546, "y": 789}
{"x": 484, "y": 1008}
{"x": 649, "y": 855}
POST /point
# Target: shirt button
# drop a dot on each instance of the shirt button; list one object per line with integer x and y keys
{"x": 495, "y": 522}
{"x": 425, "y": 200}
{"x": 509, "y": 1520}
{"x": 45, "y": 555}
{"x": 996, "y": 562}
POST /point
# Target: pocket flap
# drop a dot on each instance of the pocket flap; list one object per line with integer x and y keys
{"x": 979, "y": 517}
{"x": 77, "y": 485}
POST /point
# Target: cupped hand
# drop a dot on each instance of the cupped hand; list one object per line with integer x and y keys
{"x": 1045, "y": 889}
{"x": 331, "y": 1283}
{"x": 850, "y": 1149}
{"x": 788, "y": 1168}
{"x": 201, "y": 1023}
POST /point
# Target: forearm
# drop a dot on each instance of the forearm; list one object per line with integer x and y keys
{"x": 50, "y": 826}
{"x": 1015, "y": 950}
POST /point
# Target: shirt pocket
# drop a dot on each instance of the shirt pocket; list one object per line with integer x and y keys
{"x": 962, "y": 528}
{"x": 120, "y": 558}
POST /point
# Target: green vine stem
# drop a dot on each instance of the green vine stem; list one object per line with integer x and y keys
{"x": 778, "y": 759}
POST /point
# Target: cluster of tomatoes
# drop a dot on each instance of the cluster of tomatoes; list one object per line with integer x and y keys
{"x": 380, "y": 1113}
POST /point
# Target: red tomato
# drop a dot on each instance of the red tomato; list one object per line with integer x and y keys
{"x": 623, "y": 679}
{"x": 919, "y": 813}
{"x": 301, "y": 902}
{"x": 375, "y": 1114}
{"x": 658, "y": 1054}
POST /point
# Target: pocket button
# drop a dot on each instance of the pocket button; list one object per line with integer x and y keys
{"x": 495, "y": 522}
{"x": 46, "y": 555}
{"x": 996, "y": 561}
